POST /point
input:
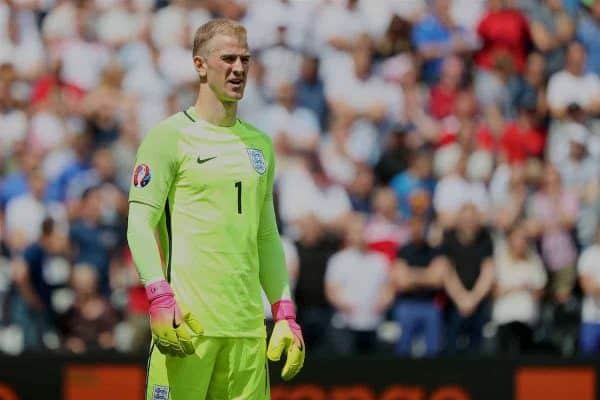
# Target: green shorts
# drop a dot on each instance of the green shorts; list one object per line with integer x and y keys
{"x": 221, "y": 369}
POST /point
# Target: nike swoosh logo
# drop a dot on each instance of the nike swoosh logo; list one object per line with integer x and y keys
{"x": 175, "y": 324}
{"x": 203, "y": 160}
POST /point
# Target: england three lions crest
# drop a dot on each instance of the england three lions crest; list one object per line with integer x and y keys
{"x": 257, "y": 159}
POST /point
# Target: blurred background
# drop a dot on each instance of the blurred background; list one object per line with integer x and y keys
{"x": 438, "y": 172}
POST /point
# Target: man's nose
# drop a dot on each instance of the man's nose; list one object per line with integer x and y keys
{"x": 238, "y": 66}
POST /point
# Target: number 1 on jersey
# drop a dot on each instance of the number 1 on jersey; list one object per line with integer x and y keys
{"x": 238, "y": 186}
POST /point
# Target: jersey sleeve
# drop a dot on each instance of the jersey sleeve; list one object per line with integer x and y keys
{"x": 155, "y": 167}
{"x": 273, "y": 272}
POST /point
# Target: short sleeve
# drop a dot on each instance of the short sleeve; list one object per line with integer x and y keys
{"x": 588, "y": 261}
{"x": 155, "y": 167}
{"x": 335, "y": 273}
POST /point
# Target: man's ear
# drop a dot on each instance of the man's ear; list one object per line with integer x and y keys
{"x": 200, "y": 65}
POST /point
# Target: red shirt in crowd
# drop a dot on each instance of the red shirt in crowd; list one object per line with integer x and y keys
{"x": 503, "y": 32}
{"x": 519, "y": 143}
{"x": 480, "y": 137}
{"x": 441, "y": 101}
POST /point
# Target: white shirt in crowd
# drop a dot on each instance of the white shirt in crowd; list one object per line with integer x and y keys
{"x": 565, "y": 88}
{"x": 13, "y": 125}
{"x": 174, "y": 63}
{"x": 83, "y": 62}
{"x": 299, "y": 197}
{"x": 365, "y": 94}
{"x": 300, "y": 126}
{"x": 263, "y": 17}
{"x": 519, "y": 305}
{"x": 589, "y": 264}
{"x": 453, "y": 191}
{"x": 282, "y": 65}
{"x": 362, "y": 277}
{"x": 25, "y": 214}
{"x": 152, "y": 91}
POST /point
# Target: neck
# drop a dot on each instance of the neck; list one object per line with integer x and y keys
{"x": 214, "y": 111}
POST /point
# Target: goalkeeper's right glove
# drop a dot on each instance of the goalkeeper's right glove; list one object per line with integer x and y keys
{"x": 169, "y": 332}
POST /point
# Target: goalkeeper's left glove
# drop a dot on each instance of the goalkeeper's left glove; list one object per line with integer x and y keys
{"x": 286, "y": 336}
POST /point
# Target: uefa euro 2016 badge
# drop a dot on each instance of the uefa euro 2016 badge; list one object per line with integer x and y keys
{"x": 141, "y": 175}
{"x": 160, "y": 392}
{"x": 257, "y": 159}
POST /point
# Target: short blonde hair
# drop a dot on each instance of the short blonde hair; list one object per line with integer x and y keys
{"x": 219, "y": 26}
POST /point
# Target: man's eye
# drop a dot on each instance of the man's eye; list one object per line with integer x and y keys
{"x": 245, "y": 59}
{"x": 228, "y": 59}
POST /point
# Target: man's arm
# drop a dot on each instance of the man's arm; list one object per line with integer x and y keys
{"x": 142, "y": 223}
{"x": 273, "y": 272}
{"x": 156, "y": 168}
{"x": 485, "y": 281}
{"x": 20, "y": 275}
{"x": 454, "y": 287}
{"x": 273, "y": 275}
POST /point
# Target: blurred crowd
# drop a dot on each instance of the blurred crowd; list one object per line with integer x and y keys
{"x": 438, "y": 167}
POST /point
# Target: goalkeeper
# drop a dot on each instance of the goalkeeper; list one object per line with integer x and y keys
{"x": 203, "y": 236}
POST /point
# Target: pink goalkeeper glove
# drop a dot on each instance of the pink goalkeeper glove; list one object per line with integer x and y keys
{"x": 286, "y": 335}
{"x": 169, "y": 332}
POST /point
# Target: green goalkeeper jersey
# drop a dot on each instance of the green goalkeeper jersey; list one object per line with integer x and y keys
{"x": 213, "y": 186}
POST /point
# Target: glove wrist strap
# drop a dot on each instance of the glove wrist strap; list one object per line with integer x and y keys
{"x": 283, "y": 309}
{"x": 158, "y": 289}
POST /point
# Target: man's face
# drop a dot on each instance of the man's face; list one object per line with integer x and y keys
{"x": 225, "y": 67}
{"x": 576, "y": 58}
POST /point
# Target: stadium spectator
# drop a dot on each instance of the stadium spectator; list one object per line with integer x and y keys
{"x": 361, "y": 189}
{"x": 573, "y": 85}
{"x": 528, "y": 91}
{"x": 320, "y": 196}
{"x": 455, "y": 190}
{"x": 465, "y": 125}
{"x": 396, "y": 39}
{"x": 13, "y": 120}
{"x": 310, "y": 90}
{"x": 355, "y": 269}
{"x": 89, "y": 324}
{"x": 315, "y": 247}
{"x": 589, "y": 279}
{"x": 443, "y": 94}
{"x": 588, "y": 31}
{"x": 580, "y": 170}
{"x": 292, "y": 128}
{"x": 94, "y": 243}
{"x": 552, "y": 214}
{"x": 419, "y": 277}
{"x": 386, "y": 231}
{"x": 25, "y": 213}
{"x": 552, "y": 29}
{"x": 338, "y": 156}
{"x": 361, "y": 95}
{"x": 522, "y": 138}
{"x": 504, "y": 32}
{"x": 520, "y": 280}
{"x": 510, "y": 200}
{"x": 469, "y": 250}
{"x": 282, "y": 62}
{"x": 395, "y": 156}
{"x": 15, "y": 183}
{"x": 413, "y": 181}
{"x": 436, "y": 36}
{"x": 41, "y": 269}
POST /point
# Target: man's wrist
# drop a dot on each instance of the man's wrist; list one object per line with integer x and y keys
{"x": 283, "y": 309}
{"x": 158, "y": 289}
